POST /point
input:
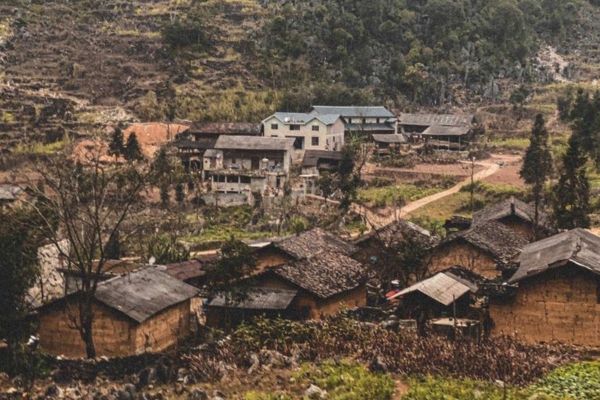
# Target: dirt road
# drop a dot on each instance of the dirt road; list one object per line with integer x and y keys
{"x": 389, "y": 214}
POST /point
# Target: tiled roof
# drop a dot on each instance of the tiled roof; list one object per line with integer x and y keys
{"x": 202, "y": 143}
{"x": 436, "y": 119}
{"x": 324, "y": 274}
{"x": 312, "y": 242}
{"x": 501, "y": 242}
{"x": 442, "y": 130}
{"x": 143, "y": 293}
{"x": 225, "y": 128}
{"x": 577, "y": 246}
{"x": 259, "y": 299}
{"x": 389, "y": 138}
{"x": 253, "y": 143}
{"x": 511, "y": 207}
{"x": 396, "y": 230}
{"x": 312, "y": 157}
{"x": 355, "y": 111}
{"x": 190, "y": 269}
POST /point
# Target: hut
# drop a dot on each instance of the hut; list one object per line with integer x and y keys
{"x": 143, "y": 311}
{"x": 557, "y": 294}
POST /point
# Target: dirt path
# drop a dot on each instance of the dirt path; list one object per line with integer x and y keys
{"x": 389, "y": 215}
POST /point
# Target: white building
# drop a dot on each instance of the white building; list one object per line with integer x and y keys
{"x": 362, "y": 119}
{"x": 310, "y": 132}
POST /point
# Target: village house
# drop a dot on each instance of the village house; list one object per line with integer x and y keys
{"x": 362, "y": 120}
{"x": 316, "y": 162}
{"x": 442, "y": 137}
{"x": 142, "y": 311}
{"x": 486, "y": 249}
{"x": 516, "y": 215}
{"x": 193, "y": 142}
{"x": 239, "y": 164}
{"x": 449, "y": 293}
{"x": 372, "y": 245}
{"x": 318, "y": 285}
{"x": 444, "y": 127}
{"x": 557, "y": 295}
{"x": 386, "y": 144}
{"x": 310, "y": 132}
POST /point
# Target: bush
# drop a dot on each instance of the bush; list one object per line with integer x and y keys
{"x": 575, "y": 381}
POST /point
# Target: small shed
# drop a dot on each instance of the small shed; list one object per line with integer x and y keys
{"x": 448, "y": 137}
{"x": 143, "y": 311}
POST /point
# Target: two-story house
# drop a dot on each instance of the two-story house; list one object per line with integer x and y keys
{"x": 310, "y": 132}
{"x": 362, "y": 120}
{"x": 240, "y": 164}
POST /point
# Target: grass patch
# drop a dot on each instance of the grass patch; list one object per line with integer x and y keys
{"x": 382, "y": 196}
{"x": 42, "y": 148}
{"x": 575, "y": 381}
{"x": 433, "y": 388}
{"x": 219, "y": 235}
{"x": 510, "y": 143}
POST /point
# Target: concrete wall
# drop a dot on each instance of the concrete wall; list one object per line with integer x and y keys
{"x": 561, "y": 304}
{"x": 466, "y": 255}
{"x": 332, "y": 134}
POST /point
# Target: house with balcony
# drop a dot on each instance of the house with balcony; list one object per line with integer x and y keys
{"x": 362, "y": 120}
{"x": 310, "y": 132}
{"x": 241, "y": 164}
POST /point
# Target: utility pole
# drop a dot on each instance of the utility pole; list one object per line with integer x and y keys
{"x": 472, "y": 182}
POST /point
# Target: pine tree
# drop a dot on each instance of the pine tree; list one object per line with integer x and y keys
{"x": 113, "y": 247}
{"x": 179, "y": 193}
{"x": 132, "y": 150}
{"x": 537, "y": 164}
{"x": 572, "y": 193}
{"x": 116, "y": 147}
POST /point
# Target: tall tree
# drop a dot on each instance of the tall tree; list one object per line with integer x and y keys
{"x": 133, "y": 152}
{"x": 90, "y": 205}
{"x": 537, "y": 165}
{"x": 19, "y": 269}
{"x": 572, "y": 193}
{"x": 116, "y": 147}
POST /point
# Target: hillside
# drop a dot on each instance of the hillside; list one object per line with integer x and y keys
{"x": 73, "y": 67}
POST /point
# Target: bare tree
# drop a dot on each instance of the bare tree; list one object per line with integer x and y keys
{"x": 88, "y": 203}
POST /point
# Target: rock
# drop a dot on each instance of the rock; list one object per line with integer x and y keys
{"x": 181, "y": 374}
{"x": 255, "y": 361}
{"x": 378, "y": 365}
{"x": 73, "y": 393}
{"x": 275, "y": 359}
{"x": 198, "y": 394}
{"x": 129, "y": 388}
{"x": 179, "y": 388}
{"x": 147, "y": 377}
{"x": 218, "y": 395}
{"x": 54, "y": 391}
{"x": 315, "y": 392}
{"x": 124, "y": 395}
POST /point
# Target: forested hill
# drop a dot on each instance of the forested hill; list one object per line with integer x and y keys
{"x": 67, "y": 64}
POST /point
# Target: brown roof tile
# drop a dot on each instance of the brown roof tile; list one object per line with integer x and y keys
{"x": 313, "y": 242}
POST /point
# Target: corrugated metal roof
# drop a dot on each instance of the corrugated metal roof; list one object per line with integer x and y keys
{"x": 355, "y": 111}
{"x": 391, "y": 138}
{"x": 577, "y": 246}
{"x": 253, "y": 143}
{"x": 436, "y": 119}
{"x": 440, "y": 287}
{"x": 442, "y": 130}
{"x": 259, "y": 299}
{"x": 366, "y": 127}
{"x": 225, "y": 128}
{"x": 143, "y": 293}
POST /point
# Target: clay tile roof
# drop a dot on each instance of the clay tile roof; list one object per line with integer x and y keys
{"x": 501, "y": 242}
{"x": 389, "y": 138}
{"x": 253, "y": 143}
{"x": 442, "y": 130}
{"x": 313, "y": 157}
{"x": 511, "y": 207}
{"x": 226, "y": 128}
{"x": 325, "y": 274}
{"x": 396, "y": 230}
{"x": 259, "y": 299}
{"x": 190, "y": 269}
{"x": 312, "y": 242}
{"x": 436, "y": 119}
{"x": 143, "y": 293}
{"x": 577, "y": 246}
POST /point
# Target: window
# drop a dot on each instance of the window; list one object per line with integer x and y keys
{"x": 274, "y": 126}
{"x": 334, "y": 139}
{"x": 315, "y": 128}
{"x": 314, "y": 140}
{"x": 294, "y": 127}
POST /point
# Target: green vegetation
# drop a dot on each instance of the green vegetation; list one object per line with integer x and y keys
{"x": 436, "y": 388}
{"x": 575, "y": 381}
{"x": 383, "y": 196}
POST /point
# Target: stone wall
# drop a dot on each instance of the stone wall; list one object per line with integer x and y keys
{"x": 561, "y": 304}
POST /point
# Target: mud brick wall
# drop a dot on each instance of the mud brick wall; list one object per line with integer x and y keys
{"x": 465, "y": 255}
{"x": 164, "y": 329}
{"x": 561, "y": 304}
